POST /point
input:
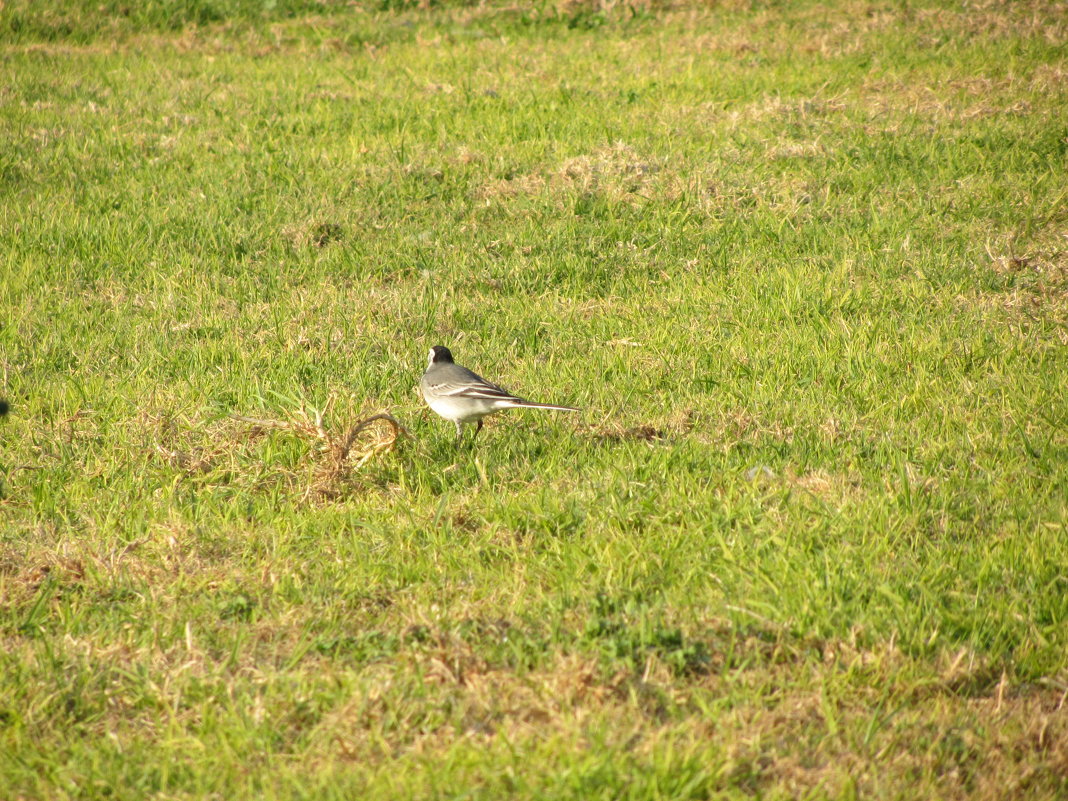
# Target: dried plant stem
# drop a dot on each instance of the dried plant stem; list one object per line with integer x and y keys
{"x": 340, "y": 449}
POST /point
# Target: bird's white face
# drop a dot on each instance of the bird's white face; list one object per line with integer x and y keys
{"x": 430, "y": 361}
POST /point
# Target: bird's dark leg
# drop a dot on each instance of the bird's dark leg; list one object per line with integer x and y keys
{"x": 477, "y": 429}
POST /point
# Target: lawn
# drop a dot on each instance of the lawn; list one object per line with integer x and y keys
{"x": 803, "y": 266}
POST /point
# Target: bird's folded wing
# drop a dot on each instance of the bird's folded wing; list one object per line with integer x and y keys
{"x": 470, "y": 389}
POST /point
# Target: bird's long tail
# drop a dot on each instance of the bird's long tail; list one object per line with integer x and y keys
{"x": 525, "y": 404}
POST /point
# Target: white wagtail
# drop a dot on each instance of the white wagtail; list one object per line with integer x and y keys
{"x": 457, "y": 394}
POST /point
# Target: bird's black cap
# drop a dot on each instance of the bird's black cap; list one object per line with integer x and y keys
{"x": 4, "y": 407}
{"x": 439, "y": 354}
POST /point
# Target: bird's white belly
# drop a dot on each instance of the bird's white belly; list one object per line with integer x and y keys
{"x": 462, "y": 409}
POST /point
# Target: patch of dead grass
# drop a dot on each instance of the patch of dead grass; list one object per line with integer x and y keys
{"x": 997, "y": 19}
{"x": 796, "y": 716}
{"x": 1043, "y": 260}
{"x": 313, "y": 233}
{"x": 334, "y": 455}
{"x": 962, "y": 735}
{"x": 975, "y": 100}
{"x": 341, "y": 451}
{"x": 677, "y": 426}
{"x": 23, "y": 574}
{"x": 1036, "y": 276}
{"x": 738, "y": 424}
{"x": 617, "y": 172}
{"x": 836, "y": 488}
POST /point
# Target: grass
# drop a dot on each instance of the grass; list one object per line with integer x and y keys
{"x": 803, "y": 266}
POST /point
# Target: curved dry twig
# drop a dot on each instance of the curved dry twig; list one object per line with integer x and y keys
{"x": 340, "y": 450}
{"x": 350, "y": 438}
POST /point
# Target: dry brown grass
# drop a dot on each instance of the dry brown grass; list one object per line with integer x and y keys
{"x": 1036, "y": 279}
{"x": 835, "y": 488}
{"x": 316, "y": 233}
{"x": 226, "y": 448}
{"x": 339, "y": 451}
{"x": 23, "y": 574}
{"x": 616, "y": 171}
{"x": 974, "y": 733}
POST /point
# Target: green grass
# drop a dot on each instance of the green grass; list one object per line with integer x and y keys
{"x": 803, "y": 267}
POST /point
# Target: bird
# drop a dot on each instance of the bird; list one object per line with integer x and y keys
{"x": 459, "y": 395}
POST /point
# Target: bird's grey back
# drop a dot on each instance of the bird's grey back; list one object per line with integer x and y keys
{"x": 454, "y": 375}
